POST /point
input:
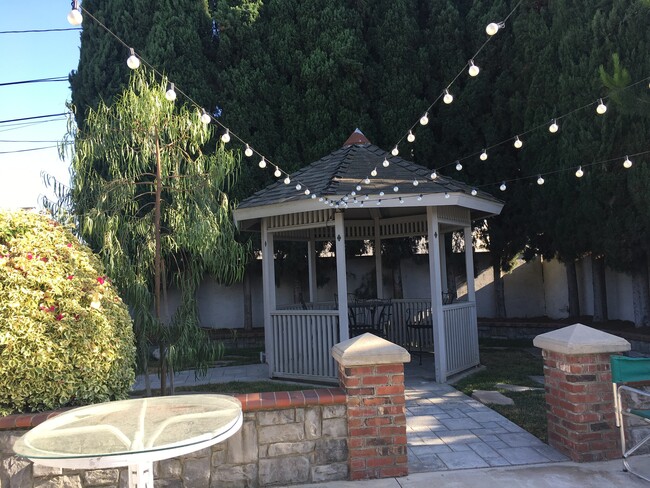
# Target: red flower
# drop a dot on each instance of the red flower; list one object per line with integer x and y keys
{"x": 59, "y": 317}
{"x": 52, "y": 308}
{"x": 69, "y": 244}
{"x": 76, "y": 316}
{"x": 44, "y": 260}
{"x": 29, "y": 256}
{"x": 101, "y": 280}
{"x": 70, "y": 277}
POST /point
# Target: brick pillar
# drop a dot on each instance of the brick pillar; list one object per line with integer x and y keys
{"x": 579, "y": 398}
{"x": 371, "y": 371}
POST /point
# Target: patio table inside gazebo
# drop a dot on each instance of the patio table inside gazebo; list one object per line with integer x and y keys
{"x": 360, "y": 192}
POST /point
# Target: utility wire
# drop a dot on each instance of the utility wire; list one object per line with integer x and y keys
{"x": 38, "y": 80}
{"x": 27, "y": 150}
{"x": 31, "y": 31}
{"x": 32, "y": 118}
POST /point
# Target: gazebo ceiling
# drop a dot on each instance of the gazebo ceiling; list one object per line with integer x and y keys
{"x": 337, "y": 175}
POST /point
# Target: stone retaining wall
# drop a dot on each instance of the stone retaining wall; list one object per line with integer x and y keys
{"x": 286, "y": 438}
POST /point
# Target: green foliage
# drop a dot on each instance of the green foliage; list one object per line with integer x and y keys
{"x": 66, "y": 338}
{"x": 150, "y": 200}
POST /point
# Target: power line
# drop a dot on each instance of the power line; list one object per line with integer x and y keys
{"x": 38, "y": 80}
{"x": 22, "y": 125}
{"x": 24, "y": 140}
{"x": 32, "y": 118}
{"x": 27, "y": 150}
{"x": 31, "y": 31}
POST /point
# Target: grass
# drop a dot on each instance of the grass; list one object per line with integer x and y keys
{"x": 511, "y": 362}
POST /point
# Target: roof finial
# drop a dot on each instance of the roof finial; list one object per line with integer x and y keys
{"x": 356, "y": 137}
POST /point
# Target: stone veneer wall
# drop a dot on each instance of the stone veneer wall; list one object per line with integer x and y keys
{"x": 286, "y": 437}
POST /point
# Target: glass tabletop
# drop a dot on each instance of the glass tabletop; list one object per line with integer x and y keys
{"x": 134, "y": 429}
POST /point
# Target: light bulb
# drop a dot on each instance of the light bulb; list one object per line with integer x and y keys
{"x": 424, "y": 120}
{"x": 358, "y": 187}
{"x": 133, "y": 61}
{"x": 321, "y": 199}
{"x": 396, "y": 189}
{"x": 366, "y": 181}
{"x": 248, "y": 151}
{"x": 298, "y": 187}
{"x": 226, "y": 137}
{"x": 395, "y": 151}
{"x": 373, "y": 172}
{"x": 386, "y": 163}
{"x": 170, "y": 94}
{"x": 458, "y": 166}
{"x": 378, "y": 202}
{"x": 483, "y": 155}
{"x": 473, "y": 69}
{"x": 627, "y": 164}
{"x": 446, "y": 195}
{"x": 277, "y": 173}
{"x": 307, "y": 192}
{"x": 411, "y": 136}
{"x": 419, "y": 198}
{"x": 540, "y": 180}
{"x": 492, "y": 28}
{"x": 434, "y": 175}
{"x": 416, "y": 182}
{"x": 401, "y": 200}
{"x": 366, "y": 197}
{"x": 553, "y": 128}
{"x": 346, "y": 198}
{"x": 601, "y": 108}
{"x": 205, "y": 117}
{"x": 313, "y": 196}
{"x": 474, "y": 191}
{"x": 580, "y": 173}
{"x": 448, "y": 98}
{"x": 381, "y": 193}
{"x": 262, "y": 163}
{"x": 353, "y": 193}
{"x": 74, "y": 16}
{"x": 518, "y": 143}
{"x": 287, "y": 180}
{"x": 503, "y": 186}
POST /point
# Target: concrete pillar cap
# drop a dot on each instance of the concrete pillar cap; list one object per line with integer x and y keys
{"x": 368, "y": 349}
{"x": 580, "y": 339}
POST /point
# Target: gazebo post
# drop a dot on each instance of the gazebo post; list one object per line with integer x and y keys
{"x": 268, "y": 287}
{"x": 469, "y": 263}
{"x": 341, "y": 276}
{"x": 443, "y": 265}
{"x": 311, "y": 265}
{"x": 435, "y": 280}
{"x": 378, "y": 266}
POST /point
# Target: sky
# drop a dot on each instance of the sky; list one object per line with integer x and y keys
{"x": 29, "y": 56}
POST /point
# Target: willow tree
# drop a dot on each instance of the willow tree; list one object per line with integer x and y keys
{"x": 152, "y": 203}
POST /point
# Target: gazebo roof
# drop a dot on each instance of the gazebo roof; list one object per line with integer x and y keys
{"x": 337, "y": 176}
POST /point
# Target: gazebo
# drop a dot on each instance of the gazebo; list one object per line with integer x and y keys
{"x": 360, "y": 192}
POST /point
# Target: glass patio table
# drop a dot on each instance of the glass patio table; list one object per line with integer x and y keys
{"x": 132, "y": 433}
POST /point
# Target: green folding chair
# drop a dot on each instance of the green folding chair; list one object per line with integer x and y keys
{"x": 630, "y": 370}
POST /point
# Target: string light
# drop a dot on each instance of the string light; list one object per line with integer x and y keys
{"x": 503, "y": 186}
{"x": 627, "y": 164}
{"x": 493, "y": 27}
{"x": 540, "y": 180}
{"x": 395, "y": 151}
{"x": 277, "y": 173}
{"x": 379, "y": 202}
{"x": 580, "y": 173}
{"x": 396, "y": 188}
{"x": 386, "y": 163}
{"x": 74, "y": 16}
{"x": 448, "y": 98}
{"x": 424, "y": 120}
{"x": 262, "y": 163}
{"x": 381, "y": 193}
{"x": 353, "y": 193}
{"x": 458, "y": 166}
{"x": 434, "y": 175}
{"x": 411, "y": 136}
{"x": 553, "y": 128}
{"x": 287, "y": 180}
{"x": 401, "y": 200}
{"x": 206, "y": 119}
{"x": 366, "y": 197}
{"x": 473, "y": 69}
{"x": 518, "y": 143}
{"x": 373, "y": 173}
{"x": 307, "y": 192}
{"x": 298, "y": 187}
{"x": 226, "y": 137}
{"x": 601, "y": 108}
{"x": 358, "y": 187}
{"x": 133, "y": 61}
{"x": 420, "y": 197}
{"x": 484, "y": 155}
{"x": 313, "y": 195}
{"x": 474, "y": 192}
{"x": 366, "y": 181}
{"x": 248, "y": 151}
{"x": 170, "y": 94}
{"x": 446, "y": 195}
{"x": 416, "y": 182}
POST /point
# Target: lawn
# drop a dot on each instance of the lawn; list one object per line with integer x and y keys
{"x": 512, "y": 363}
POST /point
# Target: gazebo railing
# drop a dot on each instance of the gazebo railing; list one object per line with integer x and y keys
{"x": 302, "y": 341}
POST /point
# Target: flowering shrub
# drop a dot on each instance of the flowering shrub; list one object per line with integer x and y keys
{"x": 66, "y": 338}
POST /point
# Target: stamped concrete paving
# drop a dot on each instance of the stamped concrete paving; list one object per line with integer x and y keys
{"x": 448, "y": 430}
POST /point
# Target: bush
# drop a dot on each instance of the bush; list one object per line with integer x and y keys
{"x": 66, "y": 338}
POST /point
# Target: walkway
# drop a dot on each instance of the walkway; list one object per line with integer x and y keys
{"x": 446, "y": 429}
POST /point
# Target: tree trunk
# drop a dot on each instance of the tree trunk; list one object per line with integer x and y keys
{"x": 248, "y": 300}
{"x": 572, "y": 288}
{"x": 499, "y": 289}
{"x": 640, "y": 294}
{"x": 600, "y": 288}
